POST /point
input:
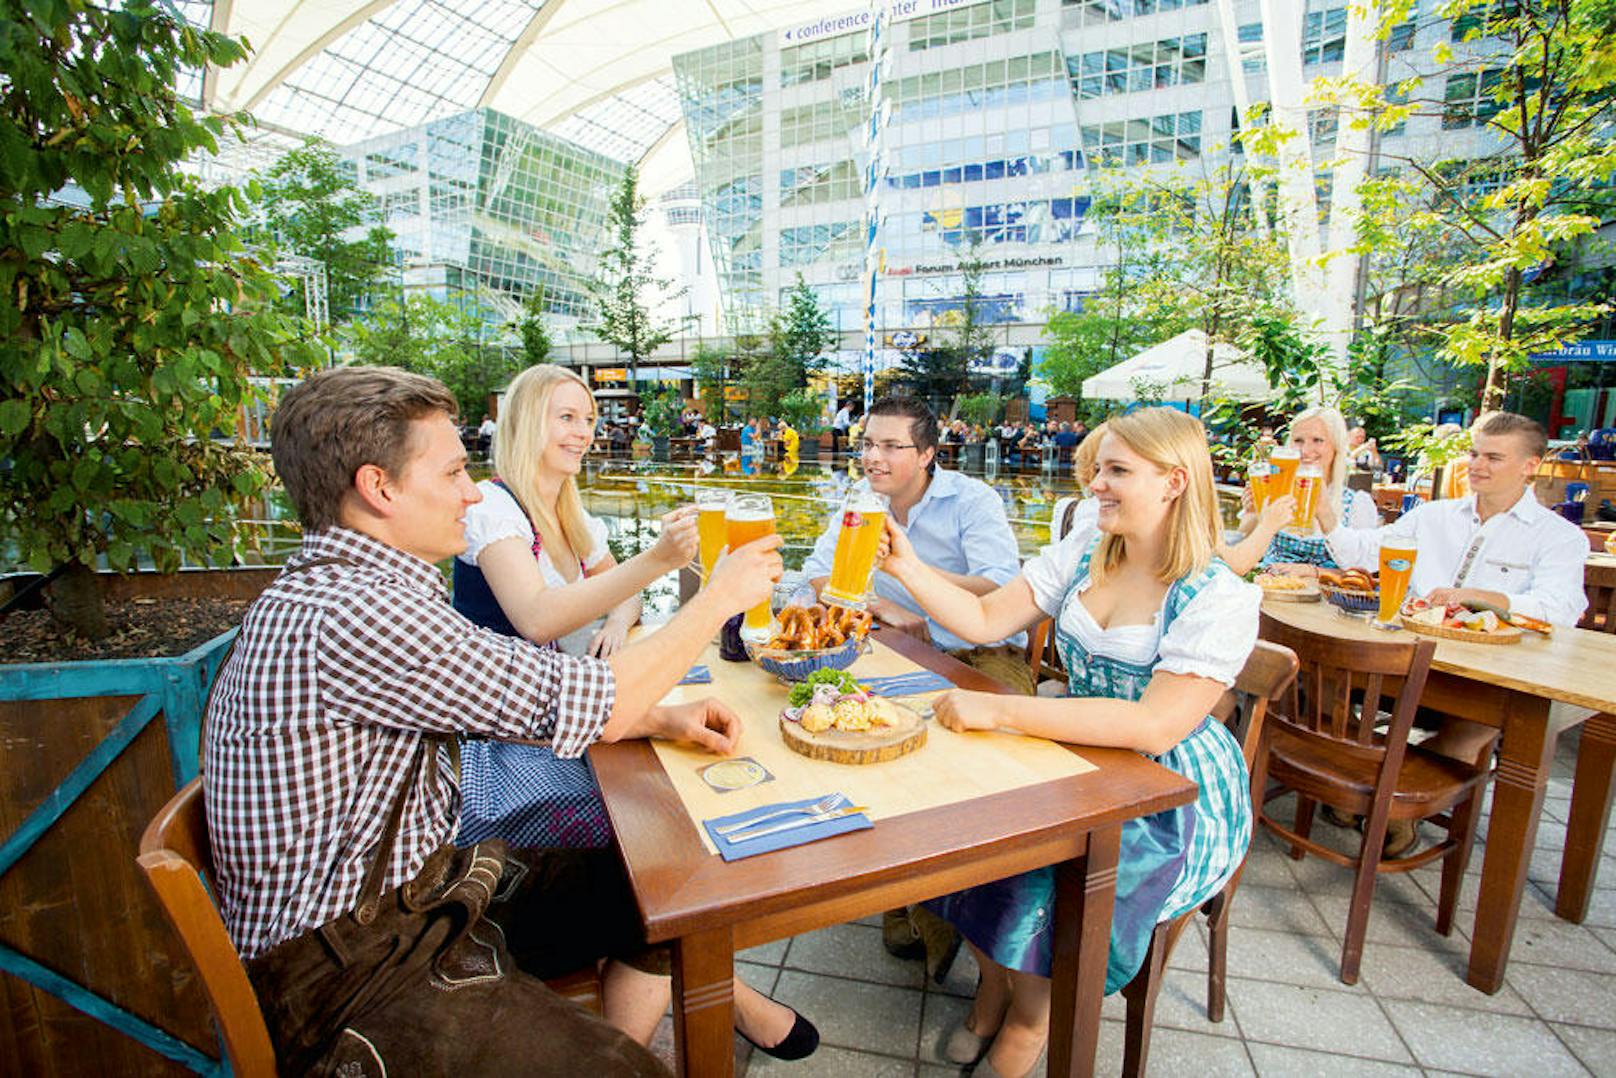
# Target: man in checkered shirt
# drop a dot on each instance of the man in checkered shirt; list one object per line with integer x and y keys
{"x": 351, "y": 676}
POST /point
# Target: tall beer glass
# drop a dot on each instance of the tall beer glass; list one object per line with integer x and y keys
{"x": 711, "y": 529}
{"x": 1396, "y": 567}
{"x": 1282, "y": 463}
{"x": 864, "y": 515}
{"x": 1257, "y": 482}
{"x": 749, "y": 517}
{"x": 1309, "y": 482}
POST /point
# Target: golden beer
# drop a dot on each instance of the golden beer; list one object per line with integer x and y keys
{"x": 1282, "y": 464}
{"x": 1396, "y": 569}
{"x": 1257, "y": 482}
{"x": 1306, "y": 487}
{"x": 749, "y": 517}
{"x": 712, "y": 531}
{"x": 864, "y": 515}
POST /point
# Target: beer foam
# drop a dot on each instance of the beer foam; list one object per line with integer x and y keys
{"x": 866, "y": 501}
{"x": 1288, "y": 452}
{"x": 749, "y": 516}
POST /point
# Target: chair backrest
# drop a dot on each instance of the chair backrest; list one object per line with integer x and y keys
{"x": 1269, "y": 674}
{"x": 1335, "y": 703}
{"x": 1599, "y": 581}
{"x": 1041, "y": 650}
{"x": 176, "y": 857}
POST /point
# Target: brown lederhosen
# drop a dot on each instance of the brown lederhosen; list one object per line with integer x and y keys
{"x": 422, "y": 979}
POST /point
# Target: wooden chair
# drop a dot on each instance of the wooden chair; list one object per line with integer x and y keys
{"x": 1324, "y": 742}
{"x": 1268, "y": 674}
{"x": 1599, "y": 581}
{"x": 177, "y": 858}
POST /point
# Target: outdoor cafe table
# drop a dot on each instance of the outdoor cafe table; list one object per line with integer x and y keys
{"x": 708, "y": 908}
{"x": 1510, "y": 687}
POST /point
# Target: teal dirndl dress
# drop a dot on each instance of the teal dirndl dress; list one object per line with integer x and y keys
{"x": 1287, "y": 548}
{"x": 1170, "y": 862}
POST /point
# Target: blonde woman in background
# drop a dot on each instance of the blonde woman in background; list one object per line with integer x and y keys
{"x": 536, "y": 565}
{"x": 1320, "y": 437}
{"x": 1153, "y": 628}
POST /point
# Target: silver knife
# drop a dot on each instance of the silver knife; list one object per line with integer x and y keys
{"x": 832, "y": 814}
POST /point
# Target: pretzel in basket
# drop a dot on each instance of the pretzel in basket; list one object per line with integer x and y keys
{"x": 807, "y": 628}
{"x": 1348, "y": 580}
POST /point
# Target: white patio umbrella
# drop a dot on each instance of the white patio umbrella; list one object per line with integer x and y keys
{"x": 1178, "y": 364}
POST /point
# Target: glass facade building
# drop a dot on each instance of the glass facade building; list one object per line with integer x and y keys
{"x": 487, "y": 205}
{"x": 994, "y": 112}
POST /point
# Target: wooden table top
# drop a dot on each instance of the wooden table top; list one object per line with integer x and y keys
{"x": 1571, "y": 665}
{"x": 682, "y": 888}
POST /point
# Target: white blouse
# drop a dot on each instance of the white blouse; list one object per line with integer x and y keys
{"x": 499, "y": 516}
{"x": 1210, "y": 637}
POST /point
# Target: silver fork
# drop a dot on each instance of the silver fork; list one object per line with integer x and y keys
{"x": 824, "y": 804}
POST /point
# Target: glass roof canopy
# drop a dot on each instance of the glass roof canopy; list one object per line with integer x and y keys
{"x": 597, "y": 72}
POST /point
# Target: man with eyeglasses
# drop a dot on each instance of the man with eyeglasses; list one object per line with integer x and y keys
{"x": 958, "y": 526}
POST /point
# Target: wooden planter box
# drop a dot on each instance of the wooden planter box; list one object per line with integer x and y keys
{"x": 808, "y": 448}
{"x": 94, "y": 981}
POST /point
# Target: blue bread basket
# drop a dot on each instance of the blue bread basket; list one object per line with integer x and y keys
{"x": 794, "y": 666}
{"x": 1353, "y": 602}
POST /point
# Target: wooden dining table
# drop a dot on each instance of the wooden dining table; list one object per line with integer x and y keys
{"x": 707, "y": 908}
{"x": 1510, "y": 687}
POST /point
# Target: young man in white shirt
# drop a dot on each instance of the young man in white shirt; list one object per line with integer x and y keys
{"x": 1495, "y": 545}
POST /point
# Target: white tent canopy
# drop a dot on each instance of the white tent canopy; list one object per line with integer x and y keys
{"x": 1175, "y": 366}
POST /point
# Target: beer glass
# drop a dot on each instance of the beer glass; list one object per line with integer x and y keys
{"x": 711, "y": 530}
{"x": 1257, "y": 481}
{"x": 1309, "y": 482}
{"x": 1396, "y": 567}
{"x": 1282, "y": 464}
{"x": 864, "y": 515}
{"x": 749, "y": 517}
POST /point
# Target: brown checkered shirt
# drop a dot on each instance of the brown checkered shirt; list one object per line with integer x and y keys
{"x": 319, "y": 713}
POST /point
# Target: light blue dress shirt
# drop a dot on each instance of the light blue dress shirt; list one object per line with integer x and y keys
{"x": 958, "y": 525}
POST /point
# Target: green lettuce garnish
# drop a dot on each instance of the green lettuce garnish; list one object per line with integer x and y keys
{"x": 840, "y": 680}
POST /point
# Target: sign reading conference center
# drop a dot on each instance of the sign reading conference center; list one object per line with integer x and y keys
{"x": 836, "y": 25}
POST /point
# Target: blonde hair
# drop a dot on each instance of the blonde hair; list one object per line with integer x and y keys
{"x": 1335, "y": 432}
{"x": 519, "y": 443}
{"x": 1083, "y": 460}
{"x": 1169, "y": 439}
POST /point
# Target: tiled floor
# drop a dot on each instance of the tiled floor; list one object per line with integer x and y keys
{"x": 1411, "y": 1012}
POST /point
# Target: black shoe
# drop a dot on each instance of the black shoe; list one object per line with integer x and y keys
{"x": 800, "y": 1043}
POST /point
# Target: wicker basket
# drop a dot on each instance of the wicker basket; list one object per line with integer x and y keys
{"x": 1353, "y": 602}
{"x": 794, "y": 666}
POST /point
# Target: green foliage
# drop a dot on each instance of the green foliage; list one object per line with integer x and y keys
{"x": 801, "y": 334}
{"x": 450, "y": 342}
{"x": 1473, "y": 235}
{"x": 979, "y": 409}
{"x": 626, "y": 279}
{"x": 803, "y": 411}
{"x": 309, "y": 204}
{"x": 535, "y": 336}
{"x": 972, "y": 337}
{"x": 936, "y": 373}
{"x": 710, "y": 368}
{"x": 660, "y": 415}
{"x": 131, "y": 323}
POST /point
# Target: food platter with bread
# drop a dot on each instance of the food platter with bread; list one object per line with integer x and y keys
{"x": 809, "y": 638}
{"x": 1286, "y": 588}
{"x": 832, "y": 717}
{"x": 1352, "y": 590}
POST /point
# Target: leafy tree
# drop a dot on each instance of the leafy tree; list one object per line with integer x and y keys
{"x": 710, "y": 368}
{"x": 133, "y": 316}
{"x": 536, "y": 343}
{"x": 447, "y": 340}
{"x": 972, "y": 334}
{"x": 936, "y": 373}
{"x": 801, "y": 334}
{"x": 979, "y": 409}
{"x": 1536, "y": 74}
{"x": 310, "y": 205}
{"x": 804, "y": 411}
{"x": 626, "y": 279}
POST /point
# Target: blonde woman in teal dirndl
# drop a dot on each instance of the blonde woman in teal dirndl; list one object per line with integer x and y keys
{"x": 1153, "y": 627}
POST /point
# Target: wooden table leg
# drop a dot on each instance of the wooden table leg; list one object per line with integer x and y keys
{"x": 1590, "y": 814}
{"x": 703, "y": 1004}
{"x": 1518, "y": 785}
{"x": 1084, "y": 892}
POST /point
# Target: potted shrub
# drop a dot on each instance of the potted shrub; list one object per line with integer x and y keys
{"x": 660, "y": 419}
{"x": 133, "y": 319}
{"x": 804, "y": 411}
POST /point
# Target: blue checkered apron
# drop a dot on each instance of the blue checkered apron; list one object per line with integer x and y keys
{"x": 1305, "y": 549}
{"x": 1170, "y": 862}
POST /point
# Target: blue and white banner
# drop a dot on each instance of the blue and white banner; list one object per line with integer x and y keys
{"x": 875, "y": 174}
{"x": 1581, "y": 352}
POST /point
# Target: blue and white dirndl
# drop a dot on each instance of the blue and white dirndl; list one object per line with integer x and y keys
{"x": 1170, "y": 862}
{"x": 1289, "y": 548}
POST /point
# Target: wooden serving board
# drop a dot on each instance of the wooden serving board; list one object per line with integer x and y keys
{"x": 1506, "y": 634}
{"x": 857, "y": 746}
{"x": 1309, "y": 594}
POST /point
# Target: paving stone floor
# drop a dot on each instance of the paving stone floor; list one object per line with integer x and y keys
{"x": 1410, "y": 1014}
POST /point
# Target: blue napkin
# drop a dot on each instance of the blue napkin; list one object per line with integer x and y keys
{"x": 796, "y": 836}
{"x": 698, "y": 675}
{"x": 906, "y": 684}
